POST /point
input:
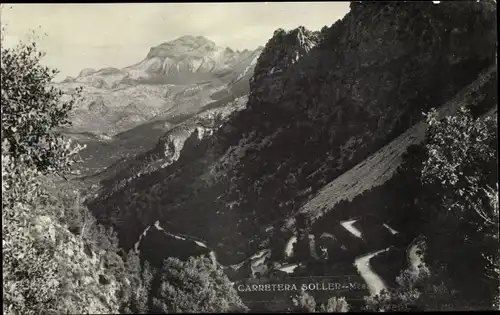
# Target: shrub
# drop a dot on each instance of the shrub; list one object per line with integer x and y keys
{"x": 460, "y": 178}
{"x": 304, "y": 302}
{"x": 335, "y": 305}
{"x": 194, "y": 286}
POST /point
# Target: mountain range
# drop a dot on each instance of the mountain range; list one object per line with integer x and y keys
{"x": 319, "y": 103}
{"x": 297, "y": 131}
{"x": 185, "y": 60}
{"x": 175, "y": 81}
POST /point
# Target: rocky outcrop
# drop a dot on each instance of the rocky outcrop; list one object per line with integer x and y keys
{"x": 80, "y": 271}
{"x": 169, "y": 147}
{"x": 97, "y": 106}
{"x": 282, "y": 51}
{"x": 174, "y": 141}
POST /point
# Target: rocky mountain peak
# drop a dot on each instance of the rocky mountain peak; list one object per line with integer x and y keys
{"x": 304, "y": 38}
{"x": 184, "y": 60}
{"x": 85, "y": 72}
{"x": 286, "y": 48}
{"x": 184, "y": 45}
{"x": 292, "y": 44}
{"x": 281, "y": 52}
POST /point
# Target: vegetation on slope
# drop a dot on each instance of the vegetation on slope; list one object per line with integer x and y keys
{"x": 43, "y": 262}
{"x": 446, "y": 193}
{"x": 56, "y": 257}
{"x": 209, "y": 290}
{"x": 305, "y": 303}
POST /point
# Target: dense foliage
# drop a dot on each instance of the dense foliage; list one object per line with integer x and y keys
{"x": 305, "y": 303}
{"x": 454, "y": 204}
{"x": 46, "y": 267}
{"x": 461, "y": 189}
{"x": 194, "y": 286}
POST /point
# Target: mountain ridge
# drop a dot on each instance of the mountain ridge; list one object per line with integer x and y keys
{"x": 353, "y": 92}
{"x": 168, "y": 82}
{"x": 174, "y": 82}
{"x": 183, "y": 55}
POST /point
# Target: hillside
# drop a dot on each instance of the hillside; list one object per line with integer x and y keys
{"x": 380, "y": 166}
{"x": 168, "y": 147}
{"x": 320, "y": 103}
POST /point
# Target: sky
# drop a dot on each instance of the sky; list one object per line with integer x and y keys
{"x": 78, "y": 36}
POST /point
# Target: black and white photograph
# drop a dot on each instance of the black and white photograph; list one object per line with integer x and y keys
{"x": 249, "y": 157}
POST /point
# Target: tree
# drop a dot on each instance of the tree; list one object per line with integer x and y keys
{"x": 46, "y": 268}
{"x": 460, "y": 180}
{"x": 194, "y": 286}
{"x": 304, "y": 302}
{"x": 335, "y": 305}
{"x": 452, "y": 176}
{"x": 140, "y": 278}
{"x": 29, "y": 111}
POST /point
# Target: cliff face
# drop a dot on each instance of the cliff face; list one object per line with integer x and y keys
{"x": 282, "y": 51}
{"x": 320, "y": 103}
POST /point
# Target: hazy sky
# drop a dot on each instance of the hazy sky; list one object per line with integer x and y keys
{"x": 118, "y": 35}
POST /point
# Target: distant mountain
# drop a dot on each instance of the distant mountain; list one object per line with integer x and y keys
{"x": 123, "y": 112}
{"x": 185, "y": 60}
{"x": 175, "y": 78}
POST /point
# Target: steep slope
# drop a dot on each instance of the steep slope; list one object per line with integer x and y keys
{"x": 320, "y": 103}
{"x": 139, "y": 136}
{"x": 169, "y": 146}
{"x": 380, "y": 166}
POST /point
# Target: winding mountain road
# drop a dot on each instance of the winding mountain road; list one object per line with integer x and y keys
{"x": 375, "y": 282}
{"x": 393, "y": 231}
{"x": 256, "y": 258}
{"x": 354, "y": 231}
